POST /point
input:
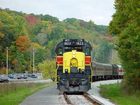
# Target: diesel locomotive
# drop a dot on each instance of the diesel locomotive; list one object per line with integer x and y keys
{"x": 73, "y": 64}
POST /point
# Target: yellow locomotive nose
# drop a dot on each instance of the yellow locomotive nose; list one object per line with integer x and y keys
{"x": 74, "y": 62}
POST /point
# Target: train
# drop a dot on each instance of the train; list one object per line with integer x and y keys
{"x": 102, "y": 71}
{"x": 76, "y": 69}
{"x": 73, "y": 64}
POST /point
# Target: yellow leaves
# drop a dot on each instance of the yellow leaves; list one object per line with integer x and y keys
{"x": 3, "y": 70}
{"x": 23, "y": 43}
{"x": 15, "y": 61}
{"x": 6, "y": 18}
{"x": 36, "y": 45}
{"x": 1, "y": 35}
{"x": 47, "y": 27}
{"x": 1, "y": 24}
{"x": 1, "y": 27}
{"x": 48, "y": 68}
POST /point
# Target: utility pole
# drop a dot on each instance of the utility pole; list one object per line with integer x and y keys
{"x": 7, "y": 58}
{"x": 33, "y": 51}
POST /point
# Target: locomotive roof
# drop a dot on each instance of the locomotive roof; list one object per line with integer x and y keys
{"x": 72, "y": 42}
{"x": 103, "y": 64}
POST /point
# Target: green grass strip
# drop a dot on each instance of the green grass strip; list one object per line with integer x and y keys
{"x": 115, "y": 93}
{"x": 17, "y": 96}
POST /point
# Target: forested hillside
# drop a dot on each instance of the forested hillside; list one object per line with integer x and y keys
{"x": 24, "y": 34}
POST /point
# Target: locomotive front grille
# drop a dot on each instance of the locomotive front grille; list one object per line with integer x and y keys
{"x": 74, "y": 82}
{"x": 74, "y": 70}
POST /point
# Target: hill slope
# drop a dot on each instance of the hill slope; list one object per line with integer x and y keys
{"x": 24, "y": 33}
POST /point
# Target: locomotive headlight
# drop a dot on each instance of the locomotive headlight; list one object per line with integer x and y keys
{"x": 66, "y": 70}
{"x": 74, "y": 62}
{"x": 74, "y": 53}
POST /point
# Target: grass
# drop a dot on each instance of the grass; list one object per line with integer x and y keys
{"x": 14, "y": 94}
{"x": 115, "y": 93}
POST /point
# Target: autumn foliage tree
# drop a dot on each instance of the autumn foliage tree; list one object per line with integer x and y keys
{"x": 31, "y": 20}
{"x": 23, "y": 43}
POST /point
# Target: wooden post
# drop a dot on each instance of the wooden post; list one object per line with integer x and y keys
{"x": 7, "y": 63}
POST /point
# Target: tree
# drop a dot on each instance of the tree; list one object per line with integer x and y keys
{"x": 23, "y": 43}
{"x": 7, "y": 29}
{"x": 7, "y": 32}
{"x": 32, "y": 20}
{"x": 49, "y": 18}
{"x": 48, "y": 69}
{"x": 126, "y": 26}
{"x": 103, "y": 51}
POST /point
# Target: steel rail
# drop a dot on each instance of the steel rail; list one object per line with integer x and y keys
{"x": 67, "y": 99}
{"x": 92, "y": 100}
{"x": 86, "y": 96}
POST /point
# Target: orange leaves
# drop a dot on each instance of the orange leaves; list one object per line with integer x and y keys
{"x": 23, "y": 43}
{"x": 1, "y": 35}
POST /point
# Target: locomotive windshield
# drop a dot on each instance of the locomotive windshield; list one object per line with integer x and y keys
{"x": 70, "y": 48}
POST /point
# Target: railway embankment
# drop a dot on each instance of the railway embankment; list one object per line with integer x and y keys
{"x": 95, "y": 91}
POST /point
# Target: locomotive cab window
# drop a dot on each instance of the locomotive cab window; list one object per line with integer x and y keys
{"x": 59, "y": 51}
{"x": 87, "y": 51}
{"x": 67, "y": 49}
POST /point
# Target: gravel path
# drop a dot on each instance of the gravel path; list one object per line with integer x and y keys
{"x": 47, "y": 96}
{"x": 51, "y": 96}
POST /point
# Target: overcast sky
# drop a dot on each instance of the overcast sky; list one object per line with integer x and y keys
{"x": 99, "y": 11}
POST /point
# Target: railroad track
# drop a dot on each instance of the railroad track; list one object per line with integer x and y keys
{"x": 80, "y": 99}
